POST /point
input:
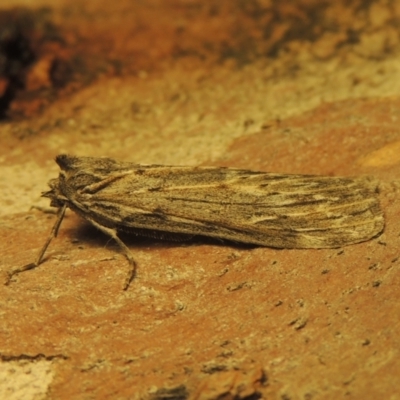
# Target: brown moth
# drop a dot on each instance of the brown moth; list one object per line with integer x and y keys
{"x": 267, "y": 209}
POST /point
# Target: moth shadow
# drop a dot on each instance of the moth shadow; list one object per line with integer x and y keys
{"x": 87, "y": 233}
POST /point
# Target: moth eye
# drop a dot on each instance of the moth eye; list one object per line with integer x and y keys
{"x": 56, "y": 203}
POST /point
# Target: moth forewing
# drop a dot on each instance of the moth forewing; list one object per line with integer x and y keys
{"x": 287, "y": 211}
{"x": 275, "y": 210}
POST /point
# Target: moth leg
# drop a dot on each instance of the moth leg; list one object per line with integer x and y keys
{"x": 53, "y": 234}
{"x": 127, "y": 253}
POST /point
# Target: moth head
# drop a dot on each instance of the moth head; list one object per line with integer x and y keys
{"x": 54, "y": 194}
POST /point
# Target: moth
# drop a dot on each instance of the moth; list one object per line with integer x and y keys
{"x": 266, "y": 209}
